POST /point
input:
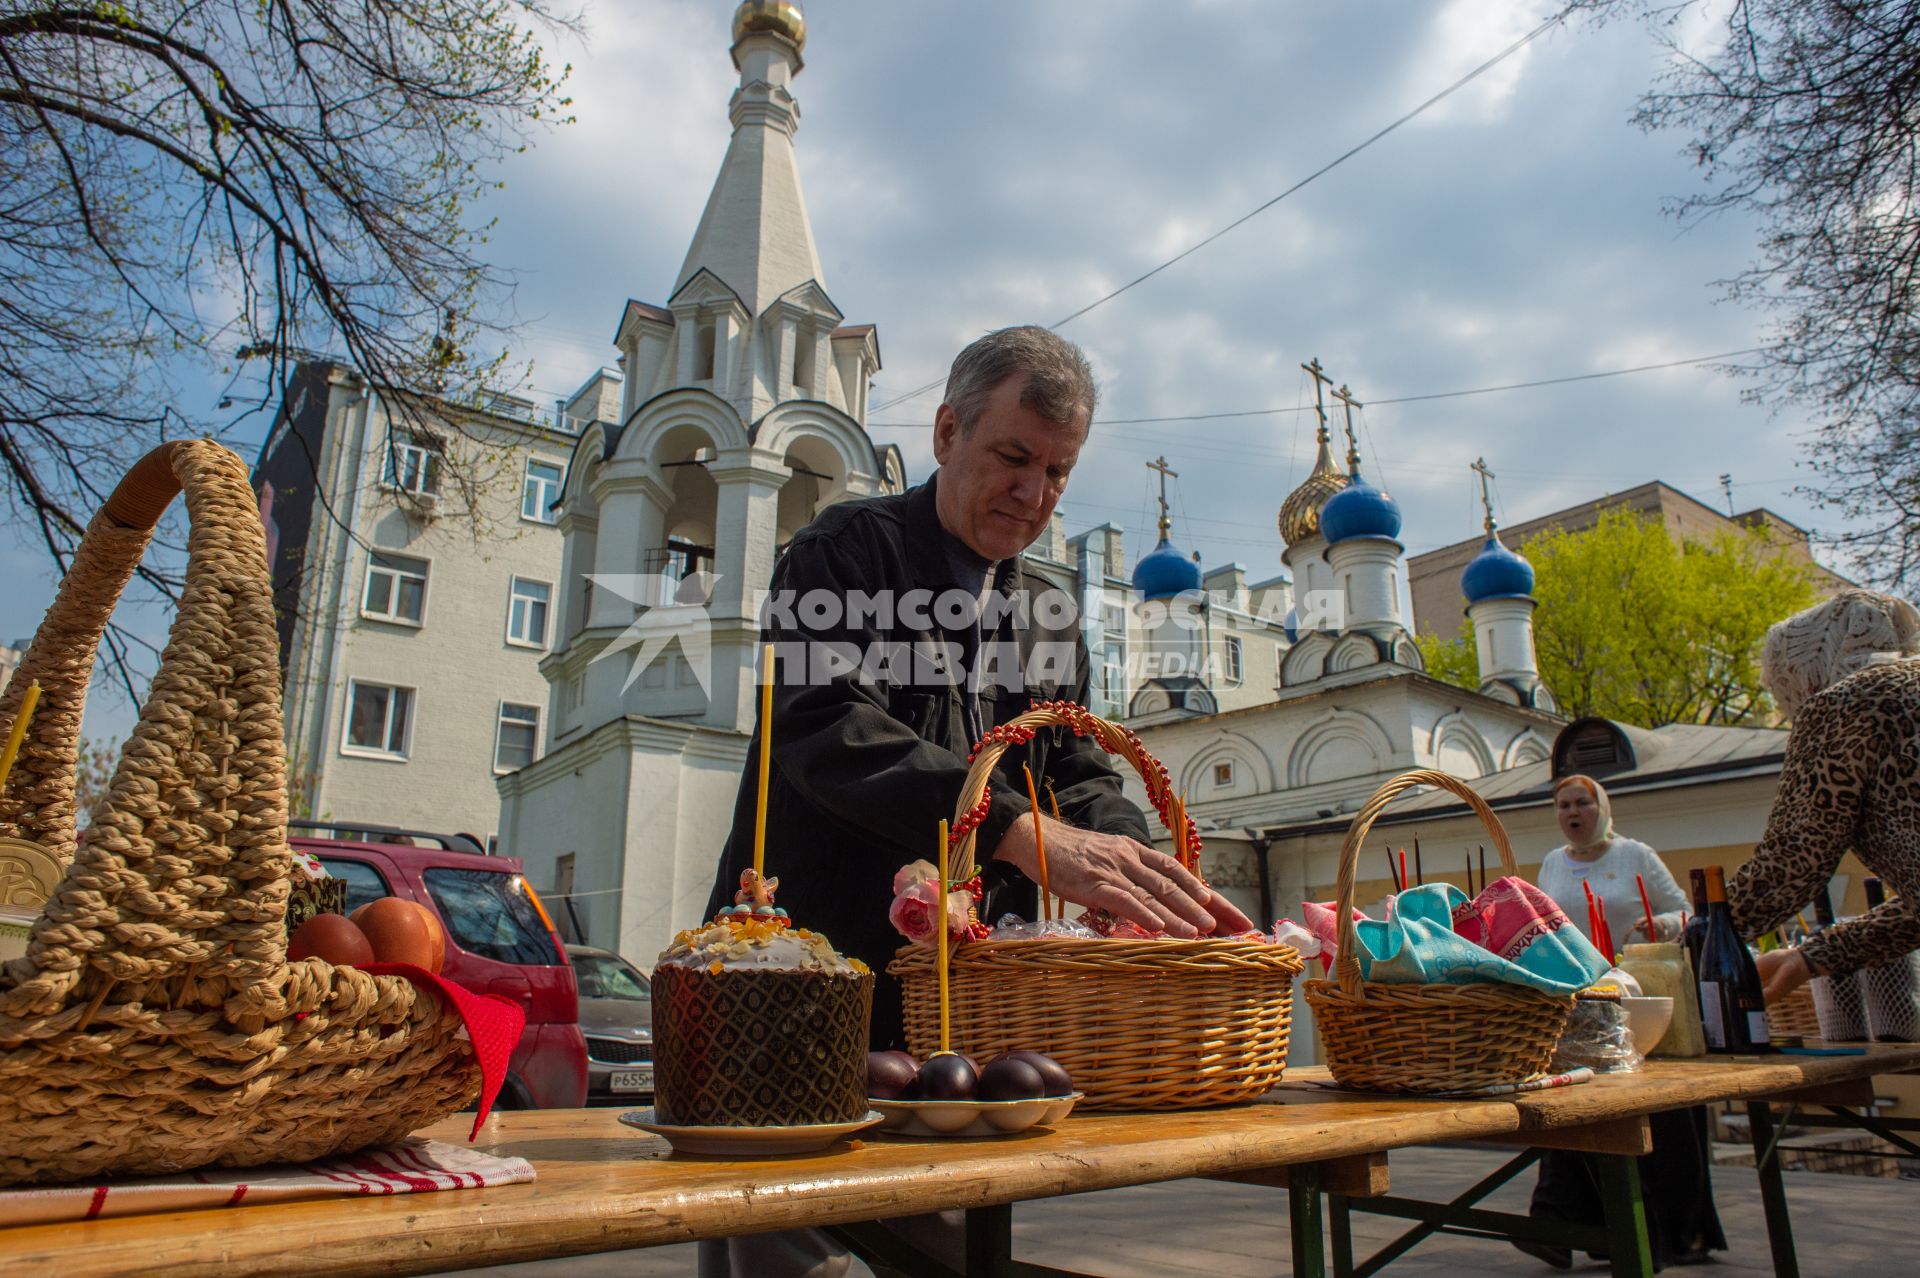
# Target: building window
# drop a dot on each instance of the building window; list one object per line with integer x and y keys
{"x": 1223, "y": 774}
{"x": 803, "y": 347}
{"x": 517, "y": 736}
{"x": 541, "y": 492}
{"x": 1235, "y": 667}
{"x": 527, "y": 604}
{"x": 410, "y": 467}
{"x": 396, "y": 589}
{"x": 703, "y": 353}
{"x": 379, "y": 719}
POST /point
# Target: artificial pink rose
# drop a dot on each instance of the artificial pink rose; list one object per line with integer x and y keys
{"x": 914, "y": 909}
{"x": 914, "y": 872}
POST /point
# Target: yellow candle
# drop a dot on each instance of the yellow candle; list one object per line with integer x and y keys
{"x": 18, "y": 732}
{"x": 1053, "y": 800}
{"x": 766, "y": 760}
{"x": 940, "y": 930}
{"x": 1039, "y": 842}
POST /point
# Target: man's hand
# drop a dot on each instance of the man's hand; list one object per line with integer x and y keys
{"x": 1128, "y": 879}
{"x": 1782, "y": 972}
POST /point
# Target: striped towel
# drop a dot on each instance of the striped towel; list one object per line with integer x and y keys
{"x": 414, "y": 1166}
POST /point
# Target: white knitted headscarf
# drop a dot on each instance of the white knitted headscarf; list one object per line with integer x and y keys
{"x": 1815, "y": 649}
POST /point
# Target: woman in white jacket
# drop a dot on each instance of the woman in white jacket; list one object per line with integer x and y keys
{"x": 1594, "y": 856}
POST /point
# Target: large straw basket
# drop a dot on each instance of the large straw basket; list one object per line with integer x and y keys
{"x": 1140, "y": 1024}
{"x": 155, "y": 1024}
{"x": 1427, "y": 1038}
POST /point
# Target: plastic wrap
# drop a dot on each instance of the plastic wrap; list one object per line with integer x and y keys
{"x": 1597, "y": 1037}
{"x": 1891, "y": 995}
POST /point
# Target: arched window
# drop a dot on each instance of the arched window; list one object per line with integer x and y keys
{"x": 703, "y": 352}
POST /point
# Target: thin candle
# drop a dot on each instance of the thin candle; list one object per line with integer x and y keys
{"x": 29, "y": 701}
{"x": 1419, "y": 874}
{"x": 1403, "y": 869}
{"x": 940, "y": 931}
{"x": 766, "y": 760}
{"x": 1468, "y": 858}
{"x": 1483, "y": 867}
{"x": 1053, "y": 801}
{"x": 1646, "y": 903}
{"x": 1039, "y": 844}
{"x": 1393, "y": 875}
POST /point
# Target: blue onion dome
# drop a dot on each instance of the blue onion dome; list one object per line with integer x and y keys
{"x": 1359, "y": 510}
{"x": 1496, "y": 573}
{"x": 1164, "y": 572}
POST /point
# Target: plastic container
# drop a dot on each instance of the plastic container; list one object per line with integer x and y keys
{"x": 1662, "y": 970}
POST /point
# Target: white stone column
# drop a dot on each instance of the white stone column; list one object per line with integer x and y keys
{"x": 633, "y": 512}
{"x": 746, "y": 522}
{"x": 1367, "y": 571}
{"x": 1503, "y": 633}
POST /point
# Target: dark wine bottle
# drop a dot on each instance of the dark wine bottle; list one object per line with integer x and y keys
{"x": 1823, "y": 909}
{"x": 1697, "y": 925}
{"x": 1733, "y": 1009}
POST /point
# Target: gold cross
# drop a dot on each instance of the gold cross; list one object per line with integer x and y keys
{"x": 1486, "y": 498}
{"x": 1160, "y": 464}
{"x": 1345, "y": 396}
{"x": 1319, "y": 405}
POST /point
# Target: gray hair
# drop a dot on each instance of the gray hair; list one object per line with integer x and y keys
{"x": 1059, "y": 380}
{"x": 1817, "y": 648}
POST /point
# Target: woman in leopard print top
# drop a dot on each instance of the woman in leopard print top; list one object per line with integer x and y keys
{"x": 1846, "y": 674}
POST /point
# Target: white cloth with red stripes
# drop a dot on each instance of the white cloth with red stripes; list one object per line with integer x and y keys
{"x": 414, "y": 1166}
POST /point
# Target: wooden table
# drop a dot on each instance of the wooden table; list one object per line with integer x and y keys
{"x": 604, "y": 1187}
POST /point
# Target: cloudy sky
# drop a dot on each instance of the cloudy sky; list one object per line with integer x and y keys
{"x": 1001, "y": 161}
{"x": 972, "y": 165}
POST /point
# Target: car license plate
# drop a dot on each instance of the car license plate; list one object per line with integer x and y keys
{"x": 631, "y": 1080}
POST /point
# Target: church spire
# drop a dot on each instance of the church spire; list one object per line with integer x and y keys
{"x": 1160, "y": 464}
{"x": 754, "y": 235}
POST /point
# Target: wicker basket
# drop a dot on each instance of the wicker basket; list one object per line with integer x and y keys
{"x": 1139, "y": 1024}
{"x": 155, "y": 1024}
{"x": 1794, "y": 1016}
{"x": 1427, "y": 1038}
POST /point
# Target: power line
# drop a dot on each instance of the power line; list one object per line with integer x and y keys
{"x": 1402, "y": 399}
{"x": 1322, "y": 171}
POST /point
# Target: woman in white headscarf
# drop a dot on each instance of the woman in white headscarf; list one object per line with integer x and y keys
{"x": 1597, "y": 858}
{"x": 1847, "y": 674}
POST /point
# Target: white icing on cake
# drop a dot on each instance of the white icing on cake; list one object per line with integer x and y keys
{"x": 719, "y": 947}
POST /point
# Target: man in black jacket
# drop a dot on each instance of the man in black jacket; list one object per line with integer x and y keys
{"x": 904, "y": 629}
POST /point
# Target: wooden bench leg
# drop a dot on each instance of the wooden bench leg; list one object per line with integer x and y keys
{"x": 1303, "y": 1219}
{"x": 1628, "y": 1251}
{"x": 1773, "y": 1190}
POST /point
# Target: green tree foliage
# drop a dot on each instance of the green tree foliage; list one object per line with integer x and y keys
{"x": 190, "y": 184}
{"x": 1639, "y": 628}
{"x": 1803, "y": 115}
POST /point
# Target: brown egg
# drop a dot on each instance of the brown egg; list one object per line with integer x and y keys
{"x": 402, "y": 931}
{"x": 331, "y": 937}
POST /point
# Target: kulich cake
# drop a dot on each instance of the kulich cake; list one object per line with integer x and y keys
{"x": 757, "y": 1023}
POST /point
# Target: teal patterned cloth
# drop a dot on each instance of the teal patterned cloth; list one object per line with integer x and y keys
{"x": 1529, "y": 940}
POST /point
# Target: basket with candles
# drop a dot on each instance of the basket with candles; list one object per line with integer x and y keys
{"x": 1138, "y": 1022}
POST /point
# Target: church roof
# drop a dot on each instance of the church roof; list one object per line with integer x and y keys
{"x": 1164, "y": 572}
{"x": 1300, "y": 512}
{"x": 1359, "y": 510}
{"x": 1496, "y": 573}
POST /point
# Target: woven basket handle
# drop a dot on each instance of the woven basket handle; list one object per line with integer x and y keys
{"x": 1346, "y": 965}
{"x": 1113, "y": 738}
{"x": 200, "y": 788}
{"x": 39, "y": 799}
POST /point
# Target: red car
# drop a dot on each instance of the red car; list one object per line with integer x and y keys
{"x": 499, "y": 940}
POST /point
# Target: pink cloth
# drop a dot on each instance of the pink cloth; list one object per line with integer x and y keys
{"x": 1509, "y": 916}
{"x": 1324, "y": 922}
{"x": 415, "y": 1166}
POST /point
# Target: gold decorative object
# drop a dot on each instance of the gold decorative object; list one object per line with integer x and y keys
{"x": 778, "y": 17}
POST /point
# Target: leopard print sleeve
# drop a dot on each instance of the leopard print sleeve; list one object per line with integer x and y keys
{"x": 1813, "y": 818}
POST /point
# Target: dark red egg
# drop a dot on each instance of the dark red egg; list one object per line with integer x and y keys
{"x": 890, "y": 1075}
{"x": 1052, "y": 1073}
{"x": 1008, "y": 1078}
{"x": 947, "y": 1076}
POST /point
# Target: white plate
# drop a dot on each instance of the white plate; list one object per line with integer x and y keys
{"x": 971, "y": 1118}
{"x": 749, "y": 1142}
